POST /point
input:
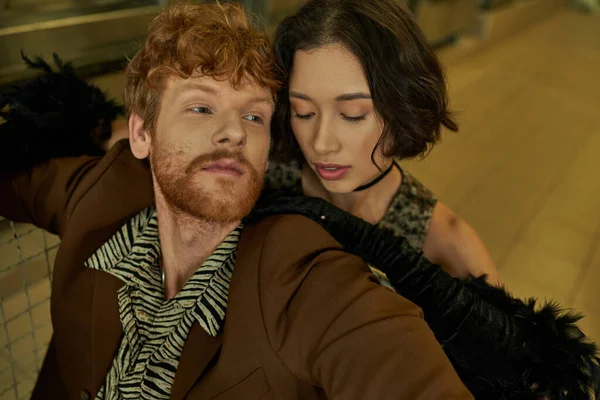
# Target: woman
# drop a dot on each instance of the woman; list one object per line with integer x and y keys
{"x": 350, "y": 120}
{"x": 362, "y": 89}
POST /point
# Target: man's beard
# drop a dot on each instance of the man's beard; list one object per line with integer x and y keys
{"x": 228, "y": 201}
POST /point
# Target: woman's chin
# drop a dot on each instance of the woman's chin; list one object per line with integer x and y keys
{"x": 341, "y": 186}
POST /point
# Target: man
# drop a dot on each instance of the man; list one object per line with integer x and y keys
{"x": 159, "y": 291}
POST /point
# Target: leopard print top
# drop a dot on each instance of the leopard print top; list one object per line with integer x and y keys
{"x": 409, "y": 212}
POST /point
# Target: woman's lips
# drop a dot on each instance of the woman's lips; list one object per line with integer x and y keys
{"x": 331, "y": 172}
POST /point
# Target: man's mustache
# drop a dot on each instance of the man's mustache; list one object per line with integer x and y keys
{"x": 218, "y": 155}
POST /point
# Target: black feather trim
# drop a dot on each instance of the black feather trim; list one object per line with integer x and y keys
{"x": 56, "y": 114}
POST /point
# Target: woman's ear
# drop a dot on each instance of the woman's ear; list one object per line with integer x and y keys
{"x": 139, "y": 138}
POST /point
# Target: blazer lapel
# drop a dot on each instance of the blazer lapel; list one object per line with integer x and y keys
{"x": 87, "y": 331}
{"x": 199, "y": 349}
{"x": 106, "y": 326}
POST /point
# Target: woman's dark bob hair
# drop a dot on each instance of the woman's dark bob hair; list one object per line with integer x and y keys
{"x": 405, "y": 77}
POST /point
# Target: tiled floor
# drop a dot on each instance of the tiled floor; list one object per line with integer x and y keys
{"x": 524, "y": 171}
{"x": 26, "y": 257}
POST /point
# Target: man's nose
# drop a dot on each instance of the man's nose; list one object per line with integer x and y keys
{"x": 231, "y": 134}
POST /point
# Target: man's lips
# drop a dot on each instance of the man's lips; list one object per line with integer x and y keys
{"x": 226, "y": 167}
{"x": 330, "y": 171}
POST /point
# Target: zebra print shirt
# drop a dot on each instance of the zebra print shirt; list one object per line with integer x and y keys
{"x": 155, "y": 330}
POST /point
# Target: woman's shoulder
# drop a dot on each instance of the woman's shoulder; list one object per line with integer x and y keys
{"x": 283, "y": 176}
{"x": 410, "y": 211}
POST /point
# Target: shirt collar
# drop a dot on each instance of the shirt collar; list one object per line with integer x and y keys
{"x": 136, "y": 245}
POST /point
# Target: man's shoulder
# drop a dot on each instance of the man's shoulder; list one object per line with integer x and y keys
{"x": 120, "y": 164}
{"x": 119, "y": 159}
{"x": 289, "y": 247}
{"x": 117, "y": 186}
{"x": 293, "y": 234}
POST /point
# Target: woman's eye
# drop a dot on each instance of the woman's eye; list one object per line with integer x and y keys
{"x": 303, "y": 116}
{"x": 201, "y": 110}
{"x": 353, "y": 119}
{"x": 253, "y": 118}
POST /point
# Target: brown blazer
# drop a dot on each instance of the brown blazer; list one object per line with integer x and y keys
{"x": 305, "y": 320}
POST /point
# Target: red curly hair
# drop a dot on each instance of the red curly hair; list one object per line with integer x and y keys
{"x": 210, "y": 39}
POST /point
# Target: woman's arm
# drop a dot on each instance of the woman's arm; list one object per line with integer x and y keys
{"x": 501, "y": 346}
{"x": 454, "y": 245}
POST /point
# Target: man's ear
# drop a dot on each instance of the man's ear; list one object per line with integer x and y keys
{"x": 139, "y": 138}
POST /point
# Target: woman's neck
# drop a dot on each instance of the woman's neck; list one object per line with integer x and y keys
{"x": 370, "y": 204}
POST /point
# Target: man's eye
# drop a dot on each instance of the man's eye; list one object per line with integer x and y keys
{"x": 201, "y": 110}
{"x": 253, "y": 118}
